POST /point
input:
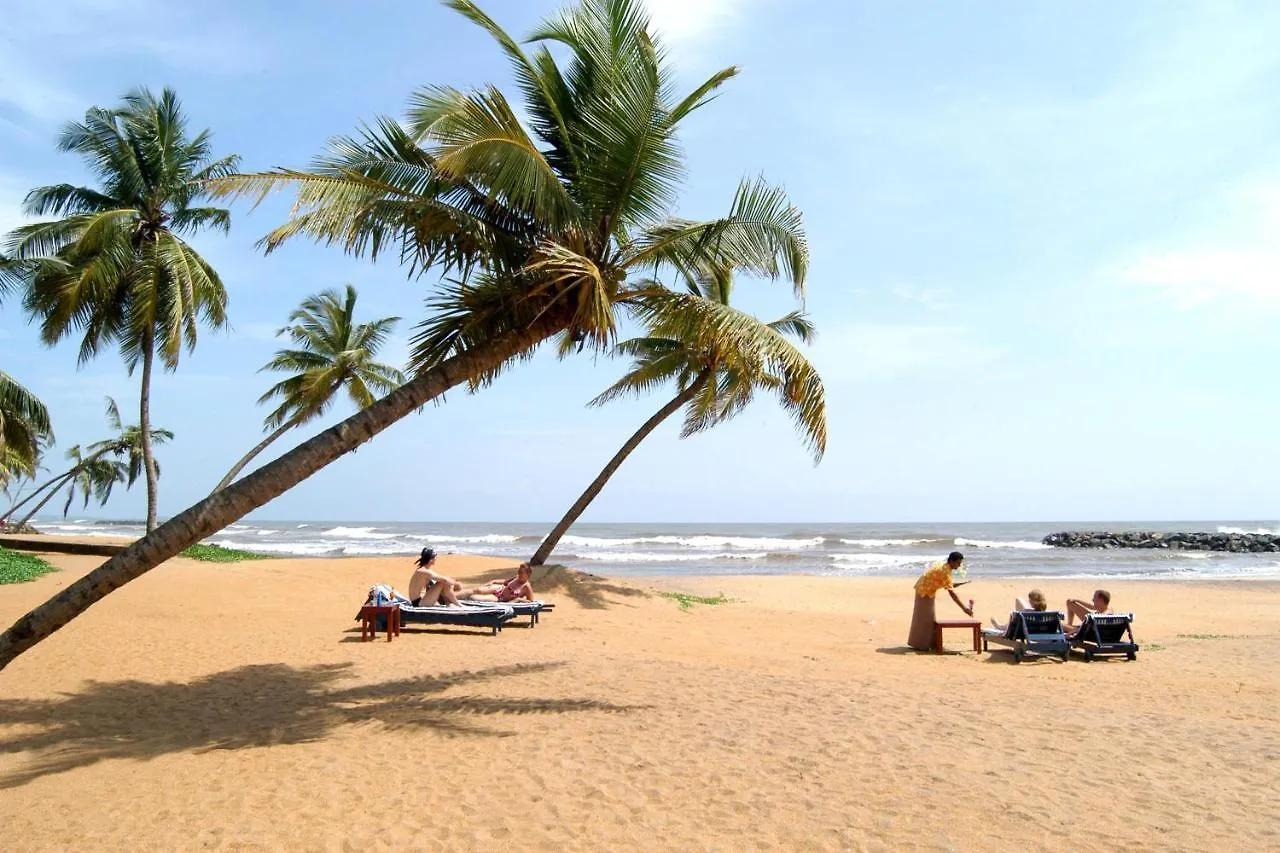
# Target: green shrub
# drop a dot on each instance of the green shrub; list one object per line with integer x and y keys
{"x": 18, "y": 567}
{"x": 218, "y": 554}
{"x": 687, "y": 600}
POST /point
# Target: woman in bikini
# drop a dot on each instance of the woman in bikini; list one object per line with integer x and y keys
{"x": 516, "y": 588}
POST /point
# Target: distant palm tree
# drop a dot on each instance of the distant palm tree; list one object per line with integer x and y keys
{"x": 114, "y": 267}
{"x": 24, "y": 430}
{"x": 718, "y": 370}
{"x": 125, "y": 445}
{"x": 549, "y": 218}
{"x": 334, "y": 354}
{"x": 94, "y": 478}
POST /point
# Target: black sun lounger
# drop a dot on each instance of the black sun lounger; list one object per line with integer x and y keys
{"x": 532, "y": 609}
{"x": 1103, "y": 634}
{"x": 478, "y": 615}
{"x": 1031, "y": 632}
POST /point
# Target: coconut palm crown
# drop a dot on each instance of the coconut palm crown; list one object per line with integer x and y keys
{"x": 750, "y": 356}
{"x": 555, "y": 225}
{"x": 24, "y": 430}
{"x": 114, "y": 267}
{"x": 332, "y": 353}
{"x": 716, "y": 375}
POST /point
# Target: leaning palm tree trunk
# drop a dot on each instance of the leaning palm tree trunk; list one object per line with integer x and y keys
{"x": 580, "y": 505}
{"x": 56, "y": 483}
{"x": 144, "y": 422}
{"x": 268, "y": 482}
{"x": 60, "y": 479}
{"x": 248, "y": 457}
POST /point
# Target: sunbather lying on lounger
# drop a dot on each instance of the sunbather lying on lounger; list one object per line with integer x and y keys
{"x": 1076, "y": 609}
{"x": 514, "y": 589}
{"x": 1035, "y": 600}
{"x": 430, "y": 587}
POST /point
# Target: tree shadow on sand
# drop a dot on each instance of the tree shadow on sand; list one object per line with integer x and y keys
{"x": 907, "y": 651}
{"x": 252, "y": 706}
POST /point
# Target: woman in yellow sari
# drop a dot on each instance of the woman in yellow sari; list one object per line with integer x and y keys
{"x": 923, "y": 617}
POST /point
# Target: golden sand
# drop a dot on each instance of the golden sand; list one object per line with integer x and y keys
{"x": 233, "y": 707}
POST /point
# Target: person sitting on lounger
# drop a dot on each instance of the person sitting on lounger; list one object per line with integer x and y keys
{"x": 1077, "y": 609}
{"x": 514, "y": 589}
{"x": 1035, "y": 600}
{"x": 428, "y": 586}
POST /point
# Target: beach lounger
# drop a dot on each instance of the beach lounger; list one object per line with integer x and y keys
{"x": 1103, "y": 634}
{"x": 478, "y": 615}
{"x": 1031, "y": 632}
{"x": 532, "y": 609}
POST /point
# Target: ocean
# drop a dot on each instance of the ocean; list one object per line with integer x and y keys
{"x": 850, "y": 550}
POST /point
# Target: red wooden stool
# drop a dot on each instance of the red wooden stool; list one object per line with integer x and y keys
{"x": 369, "y": 621}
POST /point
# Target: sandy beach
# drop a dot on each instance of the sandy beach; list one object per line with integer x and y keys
{"x": 233, "y": 707}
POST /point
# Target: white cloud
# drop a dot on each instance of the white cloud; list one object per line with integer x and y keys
{"x": 1233, "y": 261}
{"x": 878, "y": 352}
{"x": 1192, "y": 277}
{"x": 932, "y": 298}
{"x": 683, "y": 22}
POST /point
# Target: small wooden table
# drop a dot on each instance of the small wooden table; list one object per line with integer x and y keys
{"x": 369, "y": 614}
{"x": 957, "y": 623}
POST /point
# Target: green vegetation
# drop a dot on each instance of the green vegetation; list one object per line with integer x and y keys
{"x": 17, "y": 567}
{"x": 24, "y": 424}
{"x": 686, "y": 600}
{"x": 218, "y": 554}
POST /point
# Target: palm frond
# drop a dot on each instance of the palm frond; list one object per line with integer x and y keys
{"x": 333, "y": 352}
{"x": 477, "y": 138}
{"x": 191, "y": 219}
{"x": 67, "y": 200}
{"x": 543, "y": 87}
{"x": 746, "y": 354}
{"x": 763, "y": 235}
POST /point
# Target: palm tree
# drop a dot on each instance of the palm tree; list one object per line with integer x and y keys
{"x": 24, "y": 430}
{"x": 546, "y": 234}
{"x": 716, "y": 380}
{"x": 334, "y": 353}
{"x": 126, "y": 445}
{"x": 94, "y": 478}
{"x": 115, "y": 267}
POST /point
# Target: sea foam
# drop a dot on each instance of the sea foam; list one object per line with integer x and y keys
{"x": 357, "y": 533}
{"x": 988, "y": 543}
{"x": 748, "y": 543}
{"x": 653, "y": 557}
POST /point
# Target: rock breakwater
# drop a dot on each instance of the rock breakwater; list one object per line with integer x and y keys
{"x": 1238, "y": 542}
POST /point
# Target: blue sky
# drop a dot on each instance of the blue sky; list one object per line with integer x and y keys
{"x": 1045, "y": 270}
